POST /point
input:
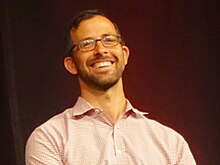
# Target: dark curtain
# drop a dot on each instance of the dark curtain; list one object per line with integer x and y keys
{"x": 173, "y": 70}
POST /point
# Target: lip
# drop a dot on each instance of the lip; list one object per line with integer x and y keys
{"x": 103, "y": 60}
{"x": 102, "y": 65}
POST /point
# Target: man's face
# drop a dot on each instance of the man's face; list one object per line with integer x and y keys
{"x": 102, "y": 67}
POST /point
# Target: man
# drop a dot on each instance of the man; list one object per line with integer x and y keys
{"x": 102, "y": 127}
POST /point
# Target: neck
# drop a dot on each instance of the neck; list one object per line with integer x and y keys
{"x": 111, "y": 101}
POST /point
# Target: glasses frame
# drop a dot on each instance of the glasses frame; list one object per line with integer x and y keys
{"x": 119, "y": 40}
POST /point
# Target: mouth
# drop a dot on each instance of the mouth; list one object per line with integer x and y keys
{"x": 102, "y": 66}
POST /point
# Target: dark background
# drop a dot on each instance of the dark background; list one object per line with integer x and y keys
{"x": 173, "y": 70}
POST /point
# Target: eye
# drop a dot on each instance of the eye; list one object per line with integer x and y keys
{"x": 86, "y": 43}
{"x": 110, "y": 40}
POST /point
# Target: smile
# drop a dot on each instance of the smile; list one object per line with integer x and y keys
{"x": 102, "y": 64}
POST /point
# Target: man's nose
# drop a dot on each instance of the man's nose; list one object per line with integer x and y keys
{"x": 99, "y": 44}
{"x": 100, "y": 48}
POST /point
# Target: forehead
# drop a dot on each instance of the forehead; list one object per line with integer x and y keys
{"x": 93, "y": 27}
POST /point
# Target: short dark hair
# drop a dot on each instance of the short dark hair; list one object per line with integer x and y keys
{"x": 84, "y": 15}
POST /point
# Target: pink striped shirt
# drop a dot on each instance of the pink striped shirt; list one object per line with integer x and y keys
{"x": 84, "y": 135}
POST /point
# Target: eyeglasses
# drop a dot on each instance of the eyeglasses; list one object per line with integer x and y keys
{"x": 89, "y": 44}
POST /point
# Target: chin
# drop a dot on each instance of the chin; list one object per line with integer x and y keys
{"x": 103, "y": 86}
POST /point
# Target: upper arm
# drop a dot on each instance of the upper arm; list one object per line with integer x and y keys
{"x": 43, "y": 148}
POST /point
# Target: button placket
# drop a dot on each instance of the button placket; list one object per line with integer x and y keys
{"x": 120, "y": 150}
{"x": 118, "y": 141}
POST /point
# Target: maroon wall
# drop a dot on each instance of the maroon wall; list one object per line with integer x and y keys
{"x": 173, "y": 70}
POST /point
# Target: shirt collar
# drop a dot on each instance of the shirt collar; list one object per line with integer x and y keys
{"x": 131, "y": 108}
{"x": 82, "y": 107}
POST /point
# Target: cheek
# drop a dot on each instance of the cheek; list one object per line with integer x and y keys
{"x": 81, "y": 61}
{"x": 78, "y": 62}
{"x": 123, "y": 58}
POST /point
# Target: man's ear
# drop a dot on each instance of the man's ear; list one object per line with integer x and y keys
{"x": 70, "y": 65}
{"x": 126, "y": 53}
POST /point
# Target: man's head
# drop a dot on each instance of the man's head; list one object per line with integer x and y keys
{"x": 98, "y": 54}
{"x": 80, "y": 17}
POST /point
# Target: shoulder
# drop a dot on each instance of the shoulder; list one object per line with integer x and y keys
{"x": 167, "y": 138}
{"x": 53, "y": 127}
{"x": 48, "y": 139}
{"x": 159, "y": 131}
{"x": 159, "y": 128}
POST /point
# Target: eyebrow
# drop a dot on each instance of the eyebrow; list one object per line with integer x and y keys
{"x": 103, "y": 35}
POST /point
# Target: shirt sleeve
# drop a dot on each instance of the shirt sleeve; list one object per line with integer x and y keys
{"x": 43, "y": 149}
{"x": 183, "y": 153}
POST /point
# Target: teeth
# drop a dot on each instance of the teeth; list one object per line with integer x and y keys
{"x": 102, "y": 64}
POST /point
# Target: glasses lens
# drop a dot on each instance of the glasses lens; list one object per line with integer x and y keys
{"x": 90, "y": 44}
{"x": 87, "y": 45}
{"x": 109, "y": 41}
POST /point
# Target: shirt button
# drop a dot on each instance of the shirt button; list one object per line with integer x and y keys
{"x": 97, "y": 110}
{"x": 119, "y": 152}
{"x": 117, "y": 127}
